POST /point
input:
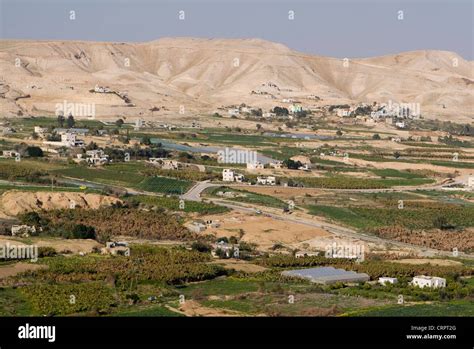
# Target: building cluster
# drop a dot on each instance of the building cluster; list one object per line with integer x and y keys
{"x": 224, "y": 249}
{"x": 94, "y": 157}
{"x": 69, "y": 136}
{"x": 420, "y": 281}
{"x": 228, "y": 175}
{"x": 116, "y": 248}
{"x": 391, "y": 113}
{"x": 171, "y": 164}
{"x": 23, "y": 230}
{"x": 9, "y": 154}
{"x": 200, "y": 226}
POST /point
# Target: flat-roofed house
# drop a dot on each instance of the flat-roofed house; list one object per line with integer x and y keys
{"x": 423, "y": 281}
{"x": 327, "y": 275}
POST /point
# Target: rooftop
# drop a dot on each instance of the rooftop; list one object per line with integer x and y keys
{"x": 327, "y": 275}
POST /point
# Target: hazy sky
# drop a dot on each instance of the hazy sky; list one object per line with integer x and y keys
{"x": 339, "y": 28}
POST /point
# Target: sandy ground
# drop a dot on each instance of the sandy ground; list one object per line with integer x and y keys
{"x": 440, "y": 262}
{"x": 20, "y": 267}
{"x": 14, "y": 202}
{"x": 239, "y": 265}
{"x": 264, "y": 231}
{"x": 282, "y": 192}
{"x": 60, "y": 245}
{"x": 193, "y": 308}
{"x": 401, "y": 165}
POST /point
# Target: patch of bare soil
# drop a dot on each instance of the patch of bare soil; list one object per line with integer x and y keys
{"x": 13, "y": 202}
{"x": 284, "y": 192}
{"x": 263, "y": 231}
{"x": 60, "y": 245}
{"x": 193, "y": 308}
{"x": 239, "y": 265}
{"x": 20, "y": 267}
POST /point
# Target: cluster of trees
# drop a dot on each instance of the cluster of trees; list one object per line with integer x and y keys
{"x": 291, "y": 164}
{"x": 68, "y": 230}
{"x": 31, "y": 151}
{"x": 102, "y": 224}
{"x": 281, "y": 111}
{"x": 68, "y": 122}
{"x": 136, "y": 152}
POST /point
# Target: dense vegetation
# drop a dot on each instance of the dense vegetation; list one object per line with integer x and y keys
{"x": 172, "y": 203}
{"x": 412, "y": 216}
{"x": 111, "y": 221}
{"x": 147, "y": 264}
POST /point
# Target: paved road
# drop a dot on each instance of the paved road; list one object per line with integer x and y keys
{"x": 344, "y": 232}
{"x": 194, "y": 194}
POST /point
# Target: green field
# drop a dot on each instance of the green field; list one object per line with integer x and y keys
{"x": 345, "y": 182}
{"x": 409, "y": 217}
{"x": 127, "y": 175}
{"x": 453, "y": 308}
{"x": 154, "y": 310}
{"x": 164, "y": 185}
{"x": 395, "y": 174}
{"x": 172, "y": 203}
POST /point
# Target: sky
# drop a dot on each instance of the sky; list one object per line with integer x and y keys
{"x": 337, "y": 28}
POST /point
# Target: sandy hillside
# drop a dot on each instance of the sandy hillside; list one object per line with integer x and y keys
{"x": 203, "y": 74}
{"x": 14, "y": 202}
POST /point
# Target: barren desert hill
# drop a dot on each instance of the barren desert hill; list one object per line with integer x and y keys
{"x": 203, "y": 74}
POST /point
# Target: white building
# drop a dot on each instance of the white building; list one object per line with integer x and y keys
{"x": 387, "y": 280}
{"x": 6, "y": 130}
{"x": 69, "y": 140}
{"x": 166, "y": 164}
{"x": 400, "y": 124}
{"x": 76, "y": 131}
{"x": 9, "y": 153}
{"x": 255, "y": 166}
{"x": 196, "y": 227}
{"x": 116, "y": 248}
{"x": 470, "y": 182}
{"x": 138, "y": 124}
{"x": 276, "y": 165}
{"x": 239, "y": 177}
{"x": 227, "y": 250}
{"x": 305, "y": 167}
{"x": 428, "y": 281}
{"x": 227, "y": 175}
{"x": 22, "y": 230}
{"x": 266, "y": 180}
{"x": 41, "y": 131}
{"x": 343, "y": 112}
{"x": 233, "y": 111}
{"x": 295, "y": 108}
{"x": 96, "y": 157}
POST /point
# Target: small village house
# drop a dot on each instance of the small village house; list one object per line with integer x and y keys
{"x": 423, "y": 281}
{"x": 22, "y": 230}
{"x": 266, "y": 180}
{"x": 387, "y": 280}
